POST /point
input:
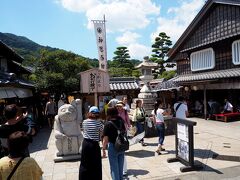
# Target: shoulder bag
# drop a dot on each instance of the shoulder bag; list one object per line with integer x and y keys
{"x": 175, "y": 111}
{"x": 15, "y": 168}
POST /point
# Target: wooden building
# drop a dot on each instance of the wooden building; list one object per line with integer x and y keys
{"x": 208, "y": 53}
{"x": 12, "y": 83}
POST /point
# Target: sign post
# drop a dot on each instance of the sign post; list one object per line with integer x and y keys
{"x": 94, "y": 81}
{"x": 184, "y": 144}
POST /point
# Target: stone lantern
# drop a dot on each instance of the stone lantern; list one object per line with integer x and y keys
{"x": 146, "y": 95}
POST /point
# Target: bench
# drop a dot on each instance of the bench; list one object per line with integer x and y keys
{"x": 224, "y": 117}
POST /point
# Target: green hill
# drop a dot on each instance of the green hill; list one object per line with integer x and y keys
{"x": 30, "y": 50}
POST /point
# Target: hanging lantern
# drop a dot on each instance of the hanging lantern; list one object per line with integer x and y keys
{"x": 195, "y": 88}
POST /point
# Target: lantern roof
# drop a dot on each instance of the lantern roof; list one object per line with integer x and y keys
{"x": 147, "y": 63}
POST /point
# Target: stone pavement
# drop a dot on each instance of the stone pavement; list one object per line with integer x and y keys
{"x": 210, "y": 137}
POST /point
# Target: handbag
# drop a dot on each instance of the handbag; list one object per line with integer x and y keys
{"x": 142, "y": 117}
{"x": 121, "y": 143}
{"x": 15, "y": 168}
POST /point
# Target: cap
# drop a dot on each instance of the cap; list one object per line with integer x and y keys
{"x": 120, "y": 103}
{"x": 94, "y": 110}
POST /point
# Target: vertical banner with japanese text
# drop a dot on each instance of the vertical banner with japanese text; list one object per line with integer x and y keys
{"x": 100, "y": 31}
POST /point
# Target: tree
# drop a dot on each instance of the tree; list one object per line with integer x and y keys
{"x": 168, "y": 74}
{"x": 122, "y": 58}
{"x": 57, "y": 71}
{"x": 160, "y": 49}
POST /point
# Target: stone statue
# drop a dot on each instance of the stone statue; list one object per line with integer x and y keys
{"x": 67, "y": 132}
{"x": 77, "y": 103}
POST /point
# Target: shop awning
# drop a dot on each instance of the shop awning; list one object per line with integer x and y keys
{"x": 167, "y": 85}
{"x": 11, "y": 92}
{"x": 212, "y": 75}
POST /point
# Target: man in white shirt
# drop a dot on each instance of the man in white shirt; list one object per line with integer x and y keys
{"x": 228, "y": 106}
{"x": 181, "y": 108}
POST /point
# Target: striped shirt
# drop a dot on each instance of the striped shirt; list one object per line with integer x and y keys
{"x": 92, "y": 129}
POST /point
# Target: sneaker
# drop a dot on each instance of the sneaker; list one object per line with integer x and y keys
{"x": 124, "y": 173}
{"x": 162, "y": 149}
{"x": 158, "y": 152}
{"x": 144, "y": 144}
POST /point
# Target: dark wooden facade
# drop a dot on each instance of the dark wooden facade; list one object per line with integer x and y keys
{"x": 216, "y": 26}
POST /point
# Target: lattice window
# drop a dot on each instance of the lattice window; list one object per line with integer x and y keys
{"x": 202, "y": 60}
{"x": 236, "y": 52}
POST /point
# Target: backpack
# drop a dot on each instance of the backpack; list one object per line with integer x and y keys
{"x": 121, "y": 143}
{"x": 175, "y": 111}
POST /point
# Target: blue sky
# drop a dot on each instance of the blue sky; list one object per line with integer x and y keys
{"x": 66, "y": 24}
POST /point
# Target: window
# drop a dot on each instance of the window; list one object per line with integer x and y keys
{"x": 236, "y": 52}
{"x": 3, "y": 64}
{"x": 202, "y": 60}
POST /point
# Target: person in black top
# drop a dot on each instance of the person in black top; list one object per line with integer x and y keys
{"x": 14, "y": 117}
{"x": 110, "y": 134}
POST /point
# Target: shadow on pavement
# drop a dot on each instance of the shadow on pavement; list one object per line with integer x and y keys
{"x": 152, "y": 144}
{"x": 203, "y": 153}
{"x": 207, "y": 168}
{"x": 140, "y": 153}
{"x": 137, "y": 172}
{"x": 226, "y": 157}
{"x": 40, "y": 141}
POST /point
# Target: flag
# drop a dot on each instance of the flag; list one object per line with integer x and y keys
{"x": 100, "y": 31}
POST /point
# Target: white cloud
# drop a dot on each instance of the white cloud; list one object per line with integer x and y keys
{"x": 182, "y": 16}
{"x": 78, "y": 5}
{"x": 138, "y": 51}
{"x": 127, "y": 38}
{"x": 121, "y": 15}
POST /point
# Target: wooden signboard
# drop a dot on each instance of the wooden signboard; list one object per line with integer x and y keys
{"x": 94, "y": 81}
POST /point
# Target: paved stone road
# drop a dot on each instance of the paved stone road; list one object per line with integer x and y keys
{"x": 210, "y": 137}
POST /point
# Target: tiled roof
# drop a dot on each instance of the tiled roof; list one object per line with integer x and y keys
{"x": 123, "y": 84}
{"x": 10, "y": 79}
{"x": 212, "y": 75}
{"x": 167, "y": 85}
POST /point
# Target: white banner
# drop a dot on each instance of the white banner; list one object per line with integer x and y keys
{"x": 100, "y": 32}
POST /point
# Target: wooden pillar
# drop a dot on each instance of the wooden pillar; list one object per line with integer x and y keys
{"x": 205, "y": 101}
{"x": 96, "y": 99}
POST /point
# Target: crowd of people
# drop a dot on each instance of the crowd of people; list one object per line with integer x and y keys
{"x": 18, "y": 128}
{"x": 15, "y": 135}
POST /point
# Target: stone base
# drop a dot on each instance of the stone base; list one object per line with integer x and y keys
{"x": 67, "y": 158}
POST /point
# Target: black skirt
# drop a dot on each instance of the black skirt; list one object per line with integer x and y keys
{"x": 91, "y": 161}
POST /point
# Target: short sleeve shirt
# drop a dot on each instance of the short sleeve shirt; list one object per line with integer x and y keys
{"x": 27, "y": 170}
{"x": 158, "y": 115}
{"x": 110, "y": 131}
{"x": 92, "y": 129}
{"x": 181, "y": 112}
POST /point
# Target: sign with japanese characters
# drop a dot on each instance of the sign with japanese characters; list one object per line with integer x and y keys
{"x": 100, "y": 32}
{"x": 183, "y": 146}
{"x": 94, "y": 80}
{"x": 182, "y": 131}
